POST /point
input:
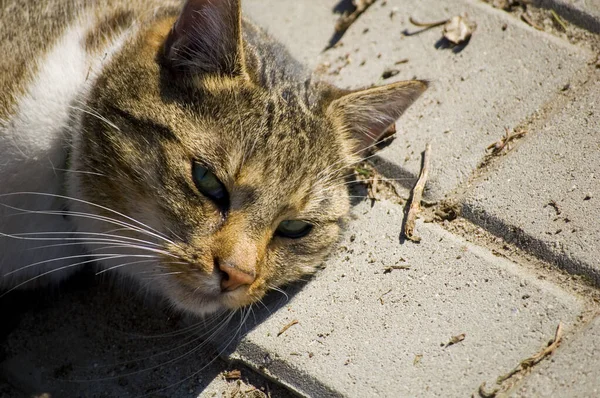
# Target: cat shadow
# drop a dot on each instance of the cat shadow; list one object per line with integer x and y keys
{"x": 341, "y": 8}
{"x": 95, "y": 336}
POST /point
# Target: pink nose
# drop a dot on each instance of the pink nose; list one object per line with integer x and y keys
{"x": 234, "y": 277}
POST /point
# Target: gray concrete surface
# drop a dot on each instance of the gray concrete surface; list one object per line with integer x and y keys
{"x": 499, "y": 79}
{"x": 360, "y": 328}
{"x": 545, "y": 195}
{"x": 573, "y": 371}
{"x": 305, "y": 27}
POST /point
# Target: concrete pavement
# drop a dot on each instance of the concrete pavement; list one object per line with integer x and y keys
{"x": 377, "y": 320}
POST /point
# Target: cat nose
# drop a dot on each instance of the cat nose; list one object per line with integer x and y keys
{"x": 233, "y": 277}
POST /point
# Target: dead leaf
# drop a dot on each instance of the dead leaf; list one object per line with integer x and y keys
{"x": 232, "y": 374}
{"x": 459, "y": 29}
{"x": 456, "y": 339}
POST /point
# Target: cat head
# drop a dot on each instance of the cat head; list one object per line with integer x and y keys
{"x": 217, "y": 162}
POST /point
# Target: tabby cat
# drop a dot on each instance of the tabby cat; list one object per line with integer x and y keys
{"x": 177, "y": 144}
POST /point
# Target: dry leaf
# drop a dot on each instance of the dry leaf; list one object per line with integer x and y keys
{"x": 286, "y": 327}
{"x": 456, "y": 339}
{"x": 232, "y": 374}
{"x": 459, "y": 29}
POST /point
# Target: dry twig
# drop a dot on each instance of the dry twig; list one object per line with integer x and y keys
{"x": 483, "y": 393}
{"x": 389, "y": 269}
{"x": 372, "y": 187}
{"x": 523, "y": 366}
{"x": 559, "y": 20}
{"x": 526, "y": 18}
{"x": 381, "y": 297}
{"x": 286, "y": 327}
{"x": 417, "y": 194}
{"x": 426, "y": 24}
{"x": 499, "y": 145}
{"x": 232, "y": 374}
{"x": 457, "y": 29}
{"x": 533, "y": 360}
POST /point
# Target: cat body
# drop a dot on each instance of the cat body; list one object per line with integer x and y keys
{"x": 177, "y": 144}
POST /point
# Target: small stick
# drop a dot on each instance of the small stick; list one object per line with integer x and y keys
{"x": 389, "y": 269}
{"x": 533, "y": 360}
{"x": 232, "y": 374}
{"x": 286, "y": 327}
{"x": 415, "y": 205}
{"x": 426, "y": 24}
{"x": 372, "y": 188}
{"x": 381, "y": 297}
{"x": 483, "y": 393}
{"x": 559, "y": 20}
{"x": 528, "y": 19}
{"x": 498, "y": 146}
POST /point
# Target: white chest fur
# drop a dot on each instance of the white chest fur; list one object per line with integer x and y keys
{"x": 34, "y": 144}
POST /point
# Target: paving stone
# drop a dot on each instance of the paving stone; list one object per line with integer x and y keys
{"x": 573, "y": 372}
{"x": 545, "y": 195}
{"x": 366, "y": 332}
{"x": 305, "y": 27}
{"x": 498, "y": 80}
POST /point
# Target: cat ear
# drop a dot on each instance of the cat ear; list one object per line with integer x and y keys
{"x": 368, "y": 113}
{"x": 207, "y": 38}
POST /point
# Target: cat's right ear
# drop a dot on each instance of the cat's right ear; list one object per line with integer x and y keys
{"x": 207, "y": 38}
{"x": 367, "y": 114}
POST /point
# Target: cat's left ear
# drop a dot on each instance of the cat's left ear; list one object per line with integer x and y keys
{"x": 207, "y": 38}
{"x": 368, "y": 113}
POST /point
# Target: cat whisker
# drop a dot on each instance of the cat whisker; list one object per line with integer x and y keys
{"x": 55, "y": 270}
{"x": 159, "y": 274}
{"x": 64, "y": 258}
{"x": 264, "y": 305}
{"x": 214, "y": 358}
{"x": 145, "y": 228}
{"x": 214, "y": 333}
{"x": 152, "y": 258}
{"x": 79, "y": 172}
{"x": 104, "y": 237}
{"x": 138, "y": 247}
{"x": 188, "y": 340}
{"x": 327, "y": 169}
{"x": 98, "y": 116}
{"x": 346, "y": 183}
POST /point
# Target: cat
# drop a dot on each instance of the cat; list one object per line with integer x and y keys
{"x": 175, "y": 143}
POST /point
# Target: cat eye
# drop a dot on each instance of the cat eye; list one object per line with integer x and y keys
{"x": 293, "y": 229}
{"x": 208, "y": 183}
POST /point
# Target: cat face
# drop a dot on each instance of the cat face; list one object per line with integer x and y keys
{"x": 217, "y": 161}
